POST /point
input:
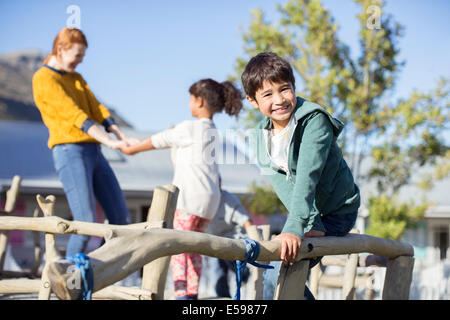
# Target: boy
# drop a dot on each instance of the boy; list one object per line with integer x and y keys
{"x": 296, "y": 145}
{"x": 231, "y": 221}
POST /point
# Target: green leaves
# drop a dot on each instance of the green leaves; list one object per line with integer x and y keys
{"x": 389, "y": 219}
{"x": 264, "y": 200}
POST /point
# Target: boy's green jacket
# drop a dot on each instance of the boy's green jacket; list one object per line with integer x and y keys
{"x": 318, "y": 181}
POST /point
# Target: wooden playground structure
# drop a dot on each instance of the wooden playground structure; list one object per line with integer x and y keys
{"x": 149, "y": 245}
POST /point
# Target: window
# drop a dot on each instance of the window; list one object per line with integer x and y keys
{"x": 441, "y": 241}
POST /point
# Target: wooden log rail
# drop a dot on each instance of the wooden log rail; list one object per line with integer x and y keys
{"x": 129, "y": 248}
{"x": 126, "y": 251}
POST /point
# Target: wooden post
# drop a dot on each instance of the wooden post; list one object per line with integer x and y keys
{"x": 51, "y": 253}
{"x": 37, "y": 247}
{"x": 255, "y": 282}
{"x": 291, "y": 281}
{"x": 253, "y": 233}
{"x": 348, "y": 287}
{"x": 12, "y": 194}
{"x": 259, "y": 286}
{"x": 314, "y": 279}
{"x": 265, "y": 231}
{"x": 10, "y": 204}
{"x": 162, "y": 208}
{"x": 397, "y": 281}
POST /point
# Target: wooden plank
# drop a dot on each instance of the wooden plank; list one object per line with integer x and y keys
{"x": 12, "y": 194}
{"x": 162, "y": 209}
{"x": 122, "y": 293}
{"x": 314, "y": 279}
{"x": 291, "y": 281}
{"x": 55, "y": 224}
{"x": 259, "y": 281}
{"x": 37, "y": 247}
{"x": 336, "y": 281}
{"x": 10, "y": 204}
{"x": 255, "y": 273}
{"x": 348, "y": 287}
{"x": 51, "y": 253}
{"x": 20, "y": 286}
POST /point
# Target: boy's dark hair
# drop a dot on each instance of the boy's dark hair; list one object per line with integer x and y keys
{"x": 218, "y": 96}
{"x": 265, "y": 66}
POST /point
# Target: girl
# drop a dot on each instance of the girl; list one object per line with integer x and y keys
{"x": 196, "y": 173}
{"x": 71, "y": 112}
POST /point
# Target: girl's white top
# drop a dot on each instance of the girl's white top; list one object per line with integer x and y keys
{"x": 194, "y": 144}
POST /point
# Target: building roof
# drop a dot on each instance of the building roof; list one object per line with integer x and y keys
{"x": 24, "y": 152}
{"x": 438, "y": 195}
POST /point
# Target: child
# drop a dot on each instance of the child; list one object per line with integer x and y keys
{"x": 232, "y": 221}
{"x": 73, "y": 116}
{"x": 196, "y": 174}
{"x": 296, "y": 145}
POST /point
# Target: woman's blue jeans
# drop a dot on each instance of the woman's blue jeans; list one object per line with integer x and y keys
{"x": 86, "y": 177}
{"x": 337, "y": 225}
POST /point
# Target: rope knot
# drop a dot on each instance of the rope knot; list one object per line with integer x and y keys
{"x": 251, "y": 255}
{"x": 83, "y": 264}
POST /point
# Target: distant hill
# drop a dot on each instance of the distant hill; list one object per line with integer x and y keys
{"x": 16, "y": 94}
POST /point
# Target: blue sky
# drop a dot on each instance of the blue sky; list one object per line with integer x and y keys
{"x": 144, "y": 55}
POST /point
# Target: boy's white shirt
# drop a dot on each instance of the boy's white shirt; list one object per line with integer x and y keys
{"x": 279, "y": 144}
{"x": 196, "y": 173}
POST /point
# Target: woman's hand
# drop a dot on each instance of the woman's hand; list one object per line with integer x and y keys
{"x": 115, "y": 144}
{"x": 121, "y": 136}
{"x": 290, "y": 246}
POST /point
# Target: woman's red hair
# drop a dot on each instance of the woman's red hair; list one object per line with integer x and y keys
{"x": 66, "y": 38}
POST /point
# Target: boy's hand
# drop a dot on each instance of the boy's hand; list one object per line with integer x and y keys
{"x": 290, "y": 246}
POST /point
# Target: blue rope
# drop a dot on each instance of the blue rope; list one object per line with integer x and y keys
{"x": 82, "y": 262}
{"x": 251, "y": 255}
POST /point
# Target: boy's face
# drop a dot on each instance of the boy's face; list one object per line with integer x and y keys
{"x": 275, "y": 100}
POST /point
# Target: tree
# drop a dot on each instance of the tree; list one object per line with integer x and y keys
{"x": 396, "y": 137}
{"x": 263, "y": 200}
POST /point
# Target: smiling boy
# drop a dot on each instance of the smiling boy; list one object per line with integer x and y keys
{"x": 296, "y": 145}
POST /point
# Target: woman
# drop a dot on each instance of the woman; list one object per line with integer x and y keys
{"x": 71, "y": 113}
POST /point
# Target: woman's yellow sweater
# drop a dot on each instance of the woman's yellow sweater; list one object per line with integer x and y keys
{"x": 67, "y": 105}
